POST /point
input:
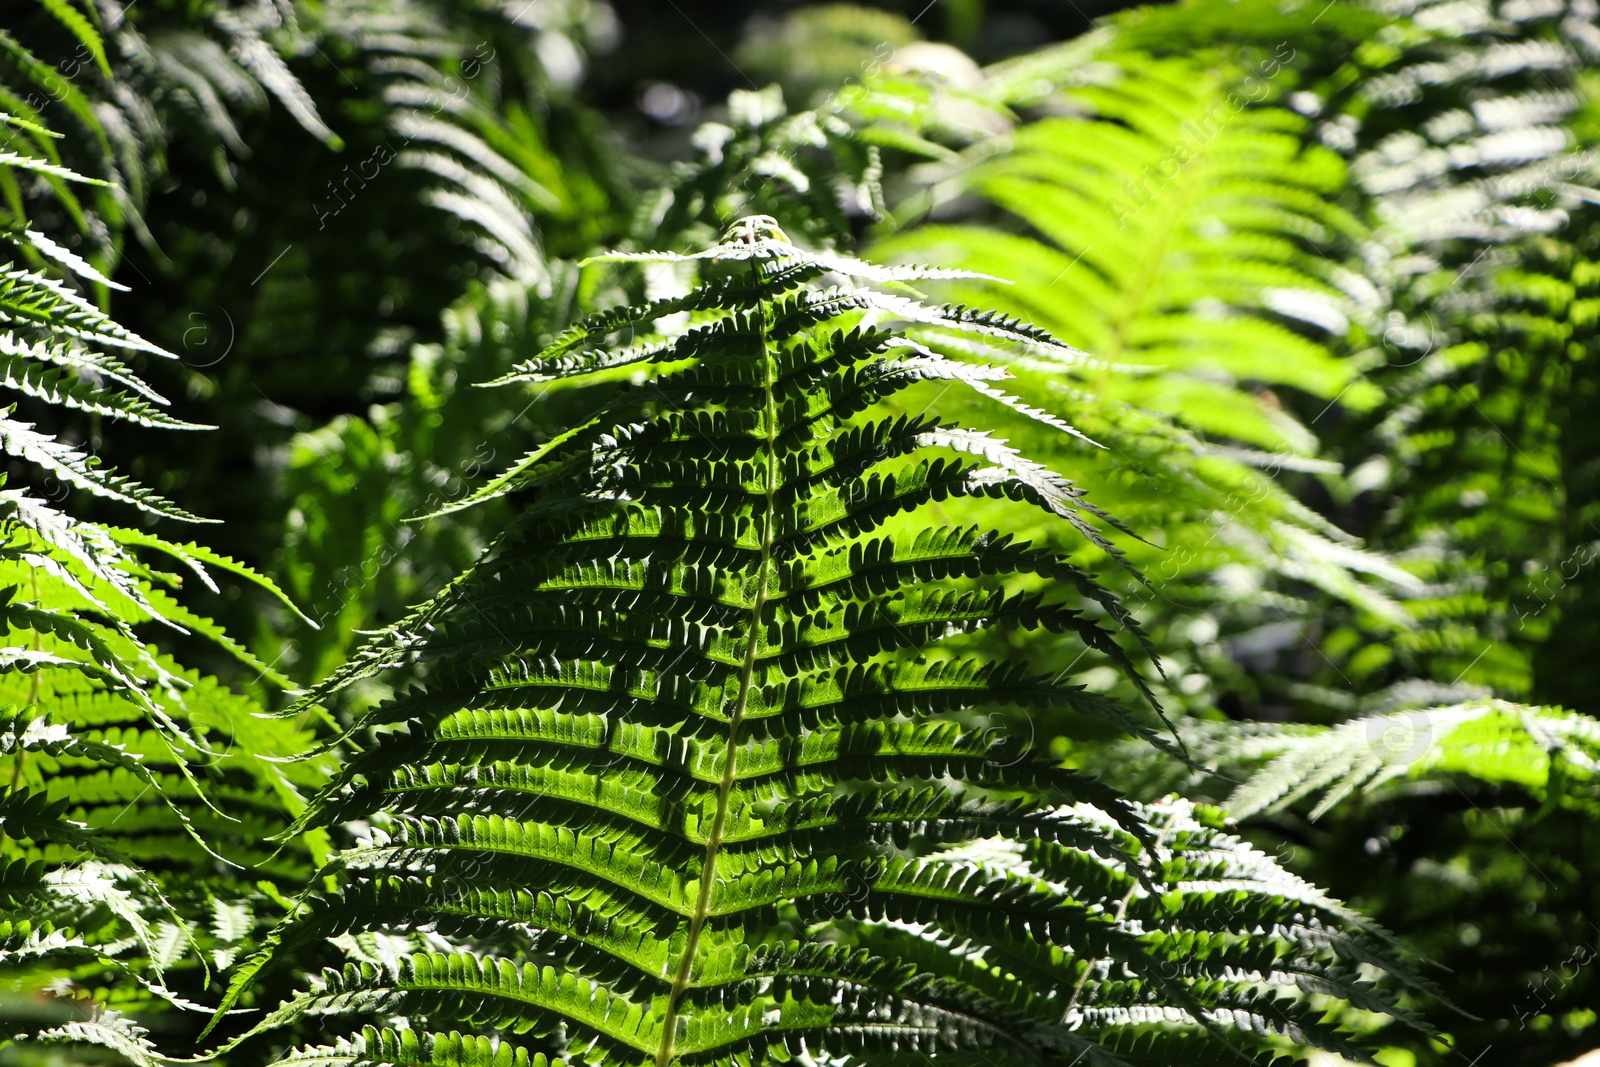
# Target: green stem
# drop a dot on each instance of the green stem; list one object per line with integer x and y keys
{"x": 1117, "y": 918}
{"x": 708, "y": 864}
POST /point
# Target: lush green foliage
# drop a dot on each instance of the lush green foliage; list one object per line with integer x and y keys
{"x": 119, "y": 762}
{"x": 678, "y": 722}
{"x": 842, "y": 675}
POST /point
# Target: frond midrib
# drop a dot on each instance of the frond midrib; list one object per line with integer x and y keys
{"x": 682, "y": 980}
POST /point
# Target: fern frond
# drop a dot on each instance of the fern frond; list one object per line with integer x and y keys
{"x": 1190, "y": 248}
{"x": 109, "y": 1029}
{"x": 58, "y": 387}
{"x": 683, "y": 777}
{"x": 1539, "y": 749}
{"x": 116, "y": 760}
{"x": 195, "y": 556}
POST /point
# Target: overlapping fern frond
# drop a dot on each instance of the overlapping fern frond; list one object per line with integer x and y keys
{"x": 1471, "y": 158}
{"x": 1470, "y": 133}
{"x": 126, "y": 83}
{"x": 145, "y": 80}
{"x": 680, "y": 779}
{"x": 1178, "y": 234}
{"x": 478, "y": 100}
{"x": 1175, "y": 226}
{"x": 1490, "y": 485}
{"x": 1250, "y": 768}
{"x": 1475, "y": 154}
{"x": 1540, "y": 749}
{"x": 1187, "y": 213}
{"x": 107, "y": 837}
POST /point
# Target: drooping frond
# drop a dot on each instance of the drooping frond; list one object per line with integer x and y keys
{"x": 1539, "y": 749}
{"x": 131, "y": 83}
{"x": 115, "y": 762}
{"x": 134, "y": 789}
{"x": 471, "y": 109}
{"x": 684, "y": 776}
{"x": 59, "y": 349}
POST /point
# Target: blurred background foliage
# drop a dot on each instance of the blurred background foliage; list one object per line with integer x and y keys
{"x": 1334, "y": 269}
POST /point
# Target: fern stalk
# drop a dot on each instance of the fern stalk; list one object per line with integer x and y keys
{"x": 708, "y": 865}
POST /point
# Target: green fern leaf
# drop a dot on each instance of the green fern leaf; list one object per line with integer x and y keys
{"x": 683, "y": 778}
{"x": 1492, "y": 741}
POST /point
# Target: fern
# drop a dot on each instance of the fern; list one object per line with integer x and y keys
{"x": 1540, "y": 749}
{"x": 1194, "y": 273}
{"x": 810, "y": 170}
{"x": 1255, "y": 769}
{"x": 129, "y": 84}
{"x": 680, "y": 784}
{"x": 481, "y": 115}
{"x": 1184, "y": 240}
{"x": 1473, "y": 153}
{"x": 1400, "y": 278}
{"x": 108, "y": 838}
